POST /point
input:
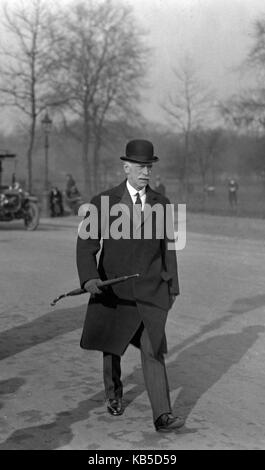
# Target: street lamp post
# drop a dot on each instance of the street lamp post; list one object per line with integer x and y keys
{"x": 47, "y": 124}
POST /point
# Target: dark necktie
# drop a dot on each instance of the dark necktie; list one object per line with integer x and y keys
{"x": 138, "y": 201}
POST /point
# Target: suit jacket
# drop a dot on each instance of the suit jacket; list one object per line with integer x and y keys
{"x": 114, "y": 316}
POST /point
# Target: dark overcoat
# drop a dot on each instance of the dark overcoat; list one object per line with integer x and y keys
{"x": 113, "y": 317}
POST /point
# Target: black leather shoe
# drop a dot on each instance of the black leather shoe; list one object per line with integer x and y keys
{"x": 114, "y": 406}
{"x": 168, "y": 423}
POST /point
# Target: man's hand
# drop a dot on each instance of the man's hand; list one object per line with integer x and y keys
{"x": 92, "y": 286}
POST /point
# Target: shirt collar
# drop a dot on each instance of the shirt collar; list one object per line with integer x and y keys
{"x": 134, "y": 191}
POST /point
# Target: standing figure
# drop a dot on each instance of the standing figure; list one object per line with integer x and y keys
{"x": 134, "y": 311}
{"x": 160, "y": 187}
{"x": 72, "y": 195}
{"x": 71, "y": 190}
{"x": 56, "y": 202}
{"x": 232, "y": 192}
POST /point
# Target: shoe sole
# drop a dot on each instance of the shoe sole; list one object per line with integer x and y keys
{"x": 170, "y": 429}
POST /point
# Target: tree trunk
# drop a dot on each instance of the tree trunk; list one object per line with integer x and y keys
{"x": 203, "y": 177}
{"x": 185, "y": 167}
{"x": 96, "y": 164}
{"x": 213, "y": 169}
{"x": 85, "y": 161}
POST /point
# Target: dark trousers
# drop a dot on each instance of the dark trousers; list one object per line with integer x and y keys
{"x": 154, "y": 372}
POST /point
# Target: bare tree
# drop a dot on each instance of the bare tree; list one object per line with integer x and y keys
{"x": 207, "y": 143}
{"x": 113, "y": 102}
{"x": 256, "y": 56}
{"x": 188, "y": 107}
{"x": 25, "y": 65}
{"x": 245, "y": 111}
{"x": 100, "y": 61}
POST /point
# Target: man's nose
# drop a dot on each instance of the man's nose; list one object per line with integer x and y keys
{"x": 146, "y": 170}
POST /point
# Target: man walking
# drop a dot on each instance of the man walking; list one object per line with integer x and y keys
{"x": 134, "y": 311}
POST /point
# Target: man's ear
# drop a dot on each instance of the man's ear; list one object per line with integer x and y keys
{"x": 126, "y": 167}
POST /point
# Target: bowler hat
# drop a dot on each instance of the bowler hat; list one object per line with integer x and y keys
{"x": 140, "y": 151}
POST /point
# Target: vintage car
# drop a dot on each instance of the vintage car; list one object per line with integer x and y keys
{"x": 16, "y": 203}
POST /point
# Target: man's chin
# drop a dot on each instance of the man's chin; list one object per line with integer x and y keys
{"x": 143, "y": 183}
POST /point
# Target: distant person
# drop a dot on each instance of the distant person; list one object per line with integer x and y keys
{"x": 73, "y": 196}
{"x": 160, "y": 187}
{"x": 14, "y": 180}
{"x": 71, "y": 190}
{"x": 15, "y": 183}
{"x": 56, "y": 202}
{"x": 232, "y": 192}
{"x": 209, "y": 190}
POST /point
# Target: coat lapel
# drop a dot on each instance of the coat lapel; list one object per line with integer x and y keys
{"x": 120, "y": 196}
{"x": 151, "y": 200}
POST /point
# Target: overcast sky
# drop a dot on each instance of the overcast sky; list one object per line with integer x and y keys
{"x": 216, "y": 34}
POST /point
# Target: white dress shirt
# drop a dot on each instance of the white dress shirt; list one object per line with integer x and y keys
{"x": 133, "y": 193}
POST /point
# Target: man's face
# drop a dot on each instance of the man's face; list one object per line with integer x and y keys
{"x": 138, "y": 174}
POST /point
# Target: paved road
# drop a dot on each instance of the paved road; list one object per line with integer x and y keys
{"x": 51, "y": 393}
